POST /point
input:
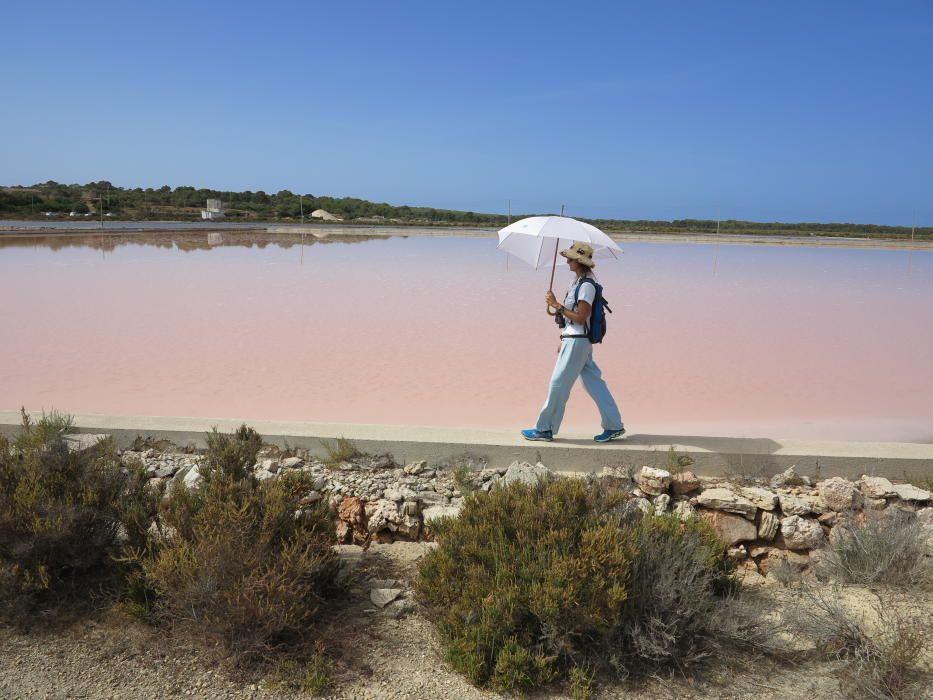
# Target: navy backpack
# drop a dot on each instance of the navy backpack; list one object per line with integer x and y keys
{"x": 596, "y": 329}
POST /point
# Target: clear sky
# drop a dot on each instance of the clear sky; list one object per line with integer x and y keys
{"x": 793, "y": 111}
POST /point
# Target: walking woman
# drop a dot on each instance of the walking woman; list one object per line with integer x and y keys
{"x": 575, "y": 358}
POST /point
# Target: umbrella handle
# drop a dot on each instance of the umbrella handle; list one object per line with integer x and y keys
{"x": 553, "y": 267}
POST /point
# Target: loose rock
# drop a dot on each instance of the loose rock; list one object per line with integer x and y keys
{"x": 684, "y": 483}
{"x": 724, "y": 499}
{"x": 653, "y": 481}
{"x": 877, "y": 487}
{"x": 802, "y": 533}
{"x": 731, "y": 529}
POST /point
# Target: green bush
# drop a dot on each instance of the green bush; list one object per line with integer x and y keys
{"x": 530, "y": 583}
{"x": 64, "y": 514}
{"x": 239, "y": 559}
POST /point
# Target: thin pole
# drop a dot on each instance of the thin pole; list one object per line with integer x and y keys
{"x": 301, "y": 206}
{"x": 100, "y": 197}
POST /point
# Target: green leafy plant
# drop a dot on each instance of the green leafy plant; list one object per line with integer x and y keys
{"x": 676, "y": 462}
{"x": 240, "y": 560}
{"x": 529, "y": 583}
{"x": 64, "y": 513}
{"x": 340, "y": 450}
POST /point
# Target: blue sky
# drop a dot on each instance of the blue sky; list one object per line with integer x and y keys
{"x": 793, "y": 111}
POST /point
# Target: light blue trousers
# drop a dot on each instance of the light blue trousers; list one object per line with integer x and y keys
{"x": 575, "y": 359}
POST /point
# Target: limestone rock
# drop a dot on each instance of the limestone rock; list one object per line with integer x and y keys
{"x": 738, "y": 553}
{"x": 269, "y": 465}
{"x": 799, "y": 505}
{"x": 393, "y": 494}
{"x": 653, "y": 481}
{"x": 802, "y": 533}
{"x": 909, "y": 492}
{"x": 661, "y": 502}
{"x": 724, "y": 499}
{"x": 525, "y": 473}
{"x": 761, "y": 497}
{"x": 839, "y": 494}
{"x": 381, "y": 515}
{"x": 310, "y": 498}
{"x": 789, "y": 477}
{"x": 432, "y": 498}
{"x": 352, "y": 511}
{"x": 292, "y": 462}
{"x": 731, "y": 529}
{"x": 193, "y": 478}
{"x": 877, "y": 487}
{"x": 767, "y": 526}
{"x": 748, "y": 574}
{"x": 642, "y": 504}
{"x": 409, "y": 526}
{"x": 343, "y": 532}
{"x": 684, "y": 510}
{"x": 80, "y": 442}
{"x": 416, "y": 467}
{"x": 381, "y": 597}
{"x": 925, "y": 517}
{"x": 684, "y": 483}
{"x": 435, "y": 512}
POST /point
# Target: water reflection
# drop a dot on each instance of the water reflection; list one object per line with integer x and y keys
{"x": 183, "y": 241}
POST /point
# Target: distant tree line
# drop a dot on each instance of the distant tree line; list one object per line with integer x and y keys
{"x": 185, "y": 202}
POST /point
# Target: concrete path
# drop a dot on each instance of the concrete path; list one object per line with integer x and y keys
{"x": 711, "y": 455}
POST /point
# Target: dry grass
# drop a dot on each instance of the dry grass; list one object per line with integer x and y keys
{"x": 887, "y": 548}
{"x": 881, "y": 658}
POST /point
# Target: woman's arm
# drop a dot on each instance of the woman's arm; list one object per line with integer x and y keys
{"x": 578, "y": 316}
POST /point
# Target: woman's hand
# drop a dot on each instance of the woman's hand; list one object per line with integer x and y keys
{"x": 552, "y": 300}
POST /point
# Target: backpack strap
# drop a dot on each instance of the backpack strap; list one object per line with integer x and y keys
{"x": 576, "y": 289}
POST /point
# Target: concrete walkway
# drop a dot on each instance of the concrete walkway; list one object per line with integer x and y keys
{"x": 711, "y": 455}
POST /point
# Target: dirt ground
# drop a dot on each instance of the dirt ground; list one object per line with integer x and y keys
{"x": 378, "y": 655}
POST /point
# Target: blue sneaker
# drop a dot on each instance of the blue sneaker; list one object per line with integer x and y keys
{"x": 608, "y": 435}
{"x": 532, "y": 434}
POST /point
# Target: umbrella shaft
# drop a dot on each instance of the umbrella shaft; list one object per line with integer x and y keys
{"x": 554, "y": 264}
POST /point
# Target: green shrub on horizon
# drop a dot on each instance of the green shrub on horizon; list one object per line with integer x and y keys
{"x": 64, "y": 515}
{"x": 530, "y": 583}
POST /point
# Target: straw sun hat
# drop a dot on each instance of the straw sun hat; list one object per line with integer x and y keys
{"x": 581, "y": 252}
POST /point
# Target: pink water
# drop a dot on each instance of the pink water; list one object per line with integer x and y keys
{"x": 706, "y": 339}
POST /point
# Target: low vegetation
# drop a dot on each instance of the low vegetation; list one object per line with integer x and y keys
{"x": 888, "y": 548}
{"x": 64, "y": 514}
{"x": 338, "y": 451}
{"x": 880, "y": 656}
{"x": 241, "y": 560}
{"x": 566, "y": 581}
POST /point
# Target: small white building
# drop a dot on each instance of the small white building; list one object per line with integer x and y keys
{"x": 215, "y": 210}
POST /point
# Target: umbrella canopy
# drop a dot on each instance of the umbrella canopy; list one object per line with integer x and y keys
{"x": 533, "y": 240}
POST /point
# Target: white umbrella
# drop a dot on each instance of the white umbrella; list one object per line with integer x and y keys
{"x": 530, "y": 239}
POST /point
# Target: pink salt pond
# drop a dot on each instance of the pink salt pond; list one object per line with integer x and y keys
{"x": 705, "y": 339}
